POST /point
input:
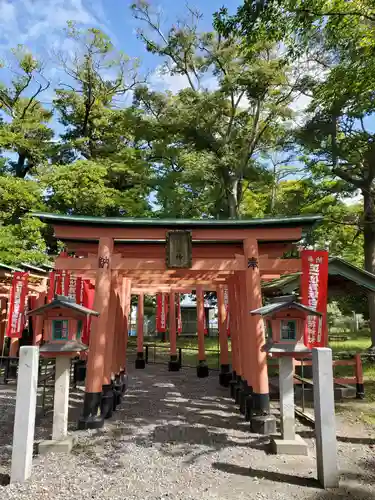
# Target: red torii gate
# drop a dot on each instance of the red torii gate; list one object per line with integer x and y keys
{"x": 129, "y": 255}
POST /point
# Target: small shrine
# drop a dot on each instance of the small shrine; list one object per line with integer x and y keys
{"x": 285, "y": 321}
{"x": 63, "y": 321}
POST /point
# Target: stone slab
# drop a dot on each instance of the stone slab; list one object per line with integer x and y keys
{"x": 295, "y": 446}
{"x": 52, "y": 446}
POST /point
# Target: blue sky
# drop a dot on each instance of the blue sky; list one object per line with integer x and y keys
{"x": 39, "y": 24}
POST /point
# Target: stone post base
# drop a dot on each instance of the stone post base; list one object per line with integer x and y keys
{"x": 202, "y": 369}
{"x": 295, "y": 446}
{"x": 90, "y": 418}
{"x": 56, "y": 446}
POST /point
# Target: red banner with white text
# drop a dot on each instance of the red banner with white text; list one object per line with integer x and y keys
{"x": 17, "y": 301}
{"x": 314, "y": 293}
{"x": 179, "y": 317}
{"x": 161, "y": 312}
{"x": 64, "y": 283}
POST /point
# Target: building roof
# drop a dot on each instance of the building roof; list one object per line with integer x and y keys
{"x": 288, "y": 302}
{"x": 63, "y": 302}
{"x": 339, "y": 272}
{"x": 305, "y": 221}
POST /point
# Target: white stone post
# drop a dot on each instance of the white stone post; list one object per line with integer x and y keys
{"x": 325, "y": 421}
{"x": 290, "y": 443}
{"x": 286, "y": 385}
{"x": 24, "y": 420}
{"x": 61, "y": 399}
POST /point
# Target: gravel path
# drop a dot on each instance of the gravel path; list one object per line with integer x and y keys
{"x": 178, "y": 437}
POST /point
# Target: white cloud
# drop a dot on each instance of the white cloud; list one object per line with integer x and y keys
{"x": 40, "y": 23}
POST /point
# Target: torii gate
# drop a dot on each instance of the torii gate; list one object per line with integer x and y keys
{"x": 129, "y": 255}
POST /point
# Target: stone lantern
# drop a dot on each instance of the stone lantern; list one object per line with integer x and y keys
{"x": 63, "y": 320}
{"x": 285, "y": 320}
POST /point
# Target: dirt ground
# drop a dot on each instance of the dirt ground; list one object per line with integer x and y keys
{"x": 179, "y": 437}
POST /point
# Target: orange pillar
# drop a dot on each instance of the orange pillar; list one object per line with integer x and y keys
{"x": 173, "y": 365}
{"x": 127, "y": 306}
{"x": 202, "y": 368}
{"x": 140, "y": 361}
{"x": 38, "y": 320}
{"x": 108, "y": 375}
{"x": 95, "y": 362}
{"x": 233, "y": 327}
{"x": 261, "y": 420}
{"x": 3, "y": 323}
{"x": 224, "y": 376}
{"x": 14, "y": 347}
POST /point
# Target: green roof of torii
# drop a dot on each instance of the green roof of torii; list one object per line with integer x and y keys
{"x": 305, "y": 221}
{"x": 336, "y": 267}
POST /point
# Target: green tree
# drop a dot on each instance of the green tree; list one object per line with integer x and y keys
{"x": 230, "y": 126}
{"x": 24, "y": 124}
{"x": 21, "y": 237}
{"x": 85, "y": 188}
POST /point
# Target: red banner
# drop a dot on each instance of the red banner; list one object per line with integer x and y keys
{"x": 17, "y": 300}
{"x": 179, "y": 317}
{"x": 161, "y": 312}
{"x": 314, "y": 292}
{"x": 63, "y": 283}
{"x": 88, "y": 296}
{"x": 205, "y": 322}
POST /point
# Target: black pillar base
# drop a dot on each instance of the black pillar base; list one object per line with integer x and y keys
{"x": 263, "y": 424}
{"x": 202, "y": 369}
{"x": 90, "y": 418}
{"x": 140, "y": 362}
{"x": 117, "y": 392}
{"x": 360, "y": 391}
{"x": 174, "y": 364}
{"x": 261, "y": 421}
{"x": 106, "y": 406}
{"x": 224, "y": 376}
{"x": 244, "y": 396}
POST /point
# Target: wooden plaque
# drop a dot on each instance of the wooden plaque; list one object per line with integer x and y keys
{"x": 179, "y": 250}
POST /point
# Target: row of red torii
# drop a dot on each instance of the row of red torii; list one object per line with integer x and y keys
{"x": 133, "y": 256}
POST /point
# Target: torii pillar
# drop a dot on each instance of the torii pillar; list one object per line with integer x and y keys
{"x": 202, "y": 368}
{"x": 140, "y": 362}
{"x": 173, "y": 365}
{"x": 224, "y": 375}
{"x": 261, "y": 421}
{"x": 91, "y": 419}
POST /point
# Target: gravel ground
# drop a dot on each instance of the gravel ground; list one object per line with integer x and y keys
{"x": 177, "y": 437}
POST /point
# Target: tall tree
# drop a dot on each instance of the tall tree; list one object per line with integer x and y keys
{"x": 247, "y": 110}
{"x": 25, "y": 124}
{"x": 340, "y": 36}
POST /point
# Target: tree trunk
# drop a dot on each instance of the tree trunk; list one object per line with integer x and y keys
{"x": 369, "y": 251}
{"x": 232, "y": 199}
{"x": 20, "y": 166}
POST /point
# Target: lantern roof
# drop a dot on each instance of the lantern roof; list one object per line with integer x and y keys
{"x": 62, "y": 302}
{"x": 284, "y": 303}
{"x": 63, "y": 347}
